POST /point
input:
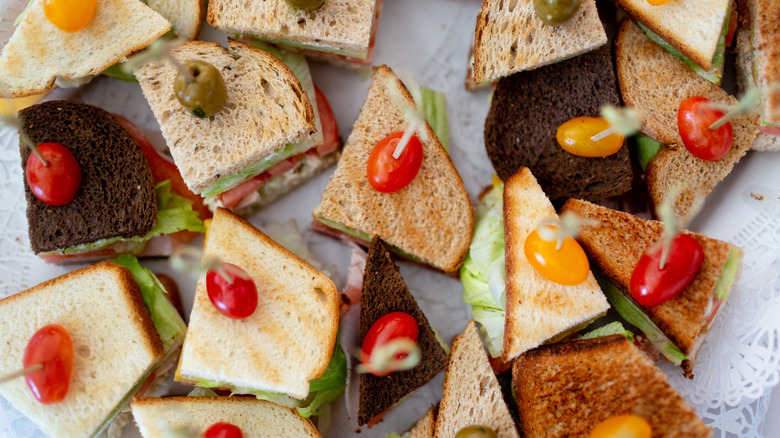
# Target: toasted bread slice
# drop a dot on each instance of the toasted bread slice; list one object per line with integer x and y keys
{"x": 339, "y": 26}
{"x": 616, "y": 244}
{"x": 472, "y": 395}
{"x": 431, "y": 219}
{"x": 384, "y": 292}
{"x": 266, "y": 109}
{"x": 510, "y": 37}
{"x": 186, "y": 16}
{"x": 692, "y": 28}
{"x": 256, "y": 418}
{"x": 286, "y": 342}
{"x": 424, "y": 428}
{"x": 537, "y": 309}
{"x": 38, "y": 51}
{"x": 641, "y": 66}
{"x": 567, "y": 389}
{"x": 114, "y": 340}
{"x": 745, "y": 80}
{"x": 765, "y": 35}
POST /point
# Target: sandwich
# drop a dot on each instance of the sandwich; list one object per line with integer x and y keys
{"x": 122, "y": 338}
{"x": 286, "y": 350}
{"x": 130, "y": 199}
{"x": 510, "y": 298}
{"x": 656, "y": 83}
{"x": 159, "y": 417}
{"x": 39, "y": 51}
{"x": 568, "y": 389}
{"x": 435, "y": 232}
{"x": 758, "y": 65}
{"x": 384, "y": 292}
{"x": 697, "y": 34}
{"x": 677, "y": 328}
{"x": 339, "y": 31}
{"x": 521, "y": 135}
{"x": 472, "y": 395}
{"x": 274, "y": 132}
{"x": 511, "y": 37}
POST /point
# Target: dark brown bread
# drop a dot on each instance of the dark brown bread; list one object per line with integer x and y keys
{"x": 384, "y": 291}
{"x": 117, "y": 196}
{"x": 617, "y": 243}
{"x": 525, "y": 113}
{"x": 566, "y": 389}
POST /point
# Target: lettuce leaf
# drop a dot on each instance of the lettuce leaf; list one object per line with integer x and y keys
{"x": 435, "y": 104}
{"x": 613, "y": 328}
{"x": 483, "y": 272}
{"x": 646, "y": 149}
{"x": 174, "y": 214}
{"x": 169, "y": 324}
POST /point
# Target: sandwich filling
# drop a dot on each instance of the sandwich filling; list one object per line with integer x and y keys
{"x": 715, "y": 73}
{"x": 169, "y": 324}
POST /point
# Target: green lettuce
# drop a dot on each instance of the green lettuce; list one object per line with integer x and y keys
{"x": 174, "y": 214}
{"x": 636, "y": 317}
{"x": 435, "y": 104}
{"x": 483, "y": 272}
{"x": 302, "y": 46}
{"x": 364, "y": 237}
{"x": 322, "y": 390}
{"x": 717, "y": 59}
{"x": 613, "y": 328}
{"x": 646, "y": 149}
{"x": 169, "y": 324}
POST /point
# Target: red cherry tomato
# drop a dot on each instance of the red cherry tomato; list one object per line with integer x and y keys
{"x": 236, "y": 297}
{"x": 693, "y": 120}
{"x": 223, "y": 430}
{"x": 388, "y": 175}
{"x": 651, "y": 285}
{"x": 57, "y": 182}
{"x": 51, "y": 347}
{"x": 394, "y": 325}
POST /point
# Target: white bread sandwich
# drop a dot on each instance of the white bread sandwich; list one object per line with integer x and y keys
{"x": 123, "y": 330}
{"x": 39, "y": 52}
{"x": 267, "y": 138}
{"x": 694, "y": 32}
{"x": 511, "y": 37}
{"x": 430, "y": 220}
{"x": 472, "y": 395}
{"x": 339, "y": 31}
{"x": 758, "y": 65}
{"x": 509, "y": 297}
{"x": 158, "y": 417}
{"x": 656, "y": 83}
{"x": 281, "y": 349}
{"x": 677, "y": 328}
{"x": 186, "y": 16}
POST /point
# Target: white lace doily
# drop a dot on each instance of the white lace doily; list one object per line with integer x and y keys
{"x": 740, "y": 360}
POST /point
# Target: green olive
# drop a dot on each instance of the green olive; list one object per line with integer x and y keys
{"x": 308, "y": 5}
{"x": 476, "y": 432}
{"x": 204, "y": 94}
{"x": 555, "y": 12}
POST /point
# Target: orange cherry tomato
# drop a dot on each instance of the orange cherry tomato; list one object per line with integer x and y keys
{"x": 51, "y": 347}
{"x": 658, "y": 2}
{"x": 622, "y": 426}
{"x": 70, "y": 15}
{"x": 567, "y": 265}
{"x": 387, "y": 174}
{"x": 575, "y": 135}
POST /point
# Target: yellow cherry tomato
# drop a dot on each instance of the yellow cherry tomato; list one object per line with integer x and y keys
{"x": 567, "y": 265}
{"x": 622, "y": 426}
{"x": 658, "y": 2}
{"x": 70, "y": 15}
{"x": 575, "y": 135}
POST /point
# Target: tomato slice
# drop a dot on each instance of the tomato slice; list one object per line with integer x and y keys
{"x": 330, "y": 128}
{"x": 394, "y": 325}
{"x": 387, "y": 174}
{"x": 733, "y": 21}
{"x": 652, "y": 285}
{"x": 234, "y": 196}
{"x": 693, "y": 120}
{"x": 162, "y": 169}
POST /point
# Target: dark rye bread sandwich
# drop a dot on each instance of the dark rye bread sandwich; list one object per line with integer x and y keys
{"x": 567, "y": 389}
{"x": 384, "y": 292}
{"x": 525, "y": 113}
{"x": 117, "y": 196}
{"x": 676, "y": 328}
{"x": 122, "y": 205}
